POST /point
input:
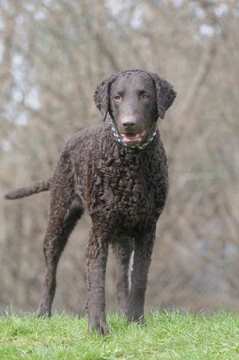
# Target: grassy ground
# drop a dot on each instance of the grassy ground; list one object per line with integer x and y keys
{"x": 168, "y": 335}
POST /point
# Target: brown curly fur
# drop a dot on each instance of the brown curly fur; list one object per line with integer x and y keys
{"x": 123, "y": 189}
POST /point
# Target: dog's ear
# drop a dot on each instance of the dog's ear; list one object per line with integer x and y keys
{"x": 102, "y": 95}
{"x": 165, "y": 94}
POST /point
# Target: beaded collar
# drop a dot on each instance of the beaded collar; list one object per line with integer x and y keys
{"x": 136, "y": 146}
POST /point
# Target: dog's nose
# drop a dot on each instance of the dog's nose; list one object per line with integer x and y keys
{"x": 128, "y": 122}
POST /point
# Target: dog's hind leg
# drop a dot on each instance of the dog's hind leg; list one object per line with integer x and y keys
{"x": 57, "y": 234}
{"x": 65, "y": 209}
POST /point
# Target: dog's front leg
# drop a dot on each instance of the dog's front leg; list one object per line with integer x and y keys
{"x": 142, "y": 258}
{"x": 123, "y": 249}
{"x": 97, "y": 253}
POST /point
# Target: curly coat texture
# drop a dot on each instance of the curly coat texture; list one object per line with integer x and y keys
{"x": 124, "y": 190}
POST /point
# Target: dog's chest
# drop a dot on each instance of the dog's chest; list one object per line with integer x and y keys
{"x": 127, "y": 190}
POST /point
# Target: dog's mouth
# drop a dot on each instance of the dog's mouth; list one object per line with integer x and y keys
{"x": 130, "y": 139}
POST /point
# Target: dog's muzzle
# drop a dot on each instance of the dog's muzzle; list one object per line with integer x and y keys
{"x": 126, "y": 143}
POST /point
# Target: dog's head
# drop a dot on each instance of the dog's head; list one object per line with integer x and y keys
{"x": 165, "y": 93}
{"x": 134, "y": 99}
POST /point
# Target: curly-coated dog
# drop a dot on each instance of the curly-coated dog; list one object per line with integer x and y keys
{"x": 118, "y": 172}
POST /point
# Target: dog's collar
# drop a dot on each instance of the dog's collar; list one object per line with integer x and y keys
{"x": 137, "y": 146}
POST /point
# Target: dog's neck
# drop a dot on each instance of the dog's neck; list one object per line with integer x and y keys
{"x": 117, "y": 136}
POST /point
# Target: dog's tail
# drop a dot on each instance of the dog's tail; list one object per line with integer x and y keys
{"x": 35, "y": 188}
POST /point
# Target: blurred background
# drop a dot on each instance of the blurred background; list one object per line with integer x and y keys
{"x": 52, "y": 56}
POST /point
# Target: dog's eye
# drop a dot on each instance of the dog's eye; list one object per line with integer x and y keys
{"x": 144, "y": 97}
{"x": 118, "y": 98}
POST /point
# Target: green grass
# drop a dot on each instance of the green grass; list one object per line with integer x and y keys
{"x": 167, "y": 335}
